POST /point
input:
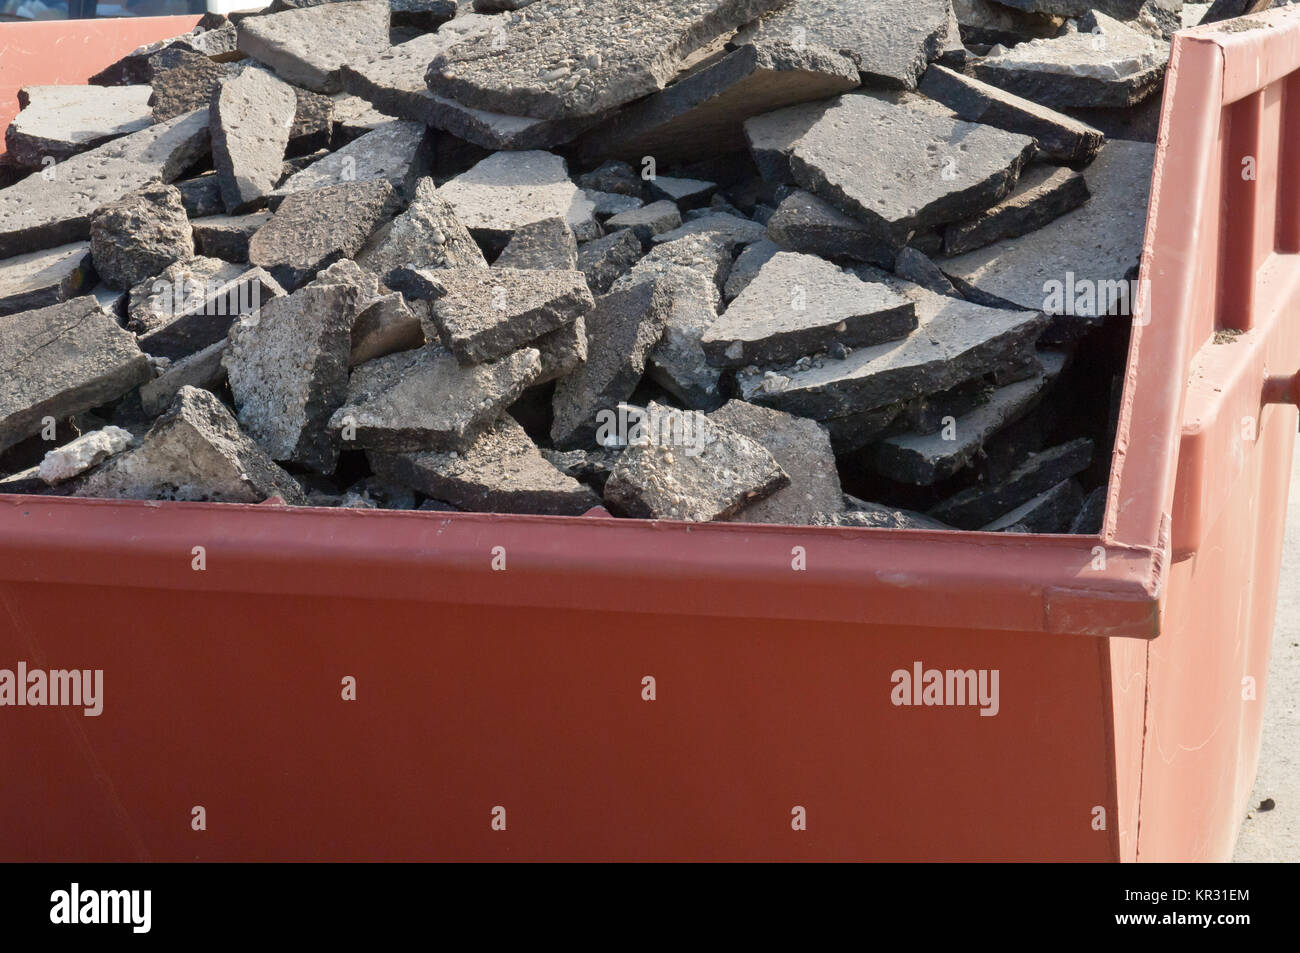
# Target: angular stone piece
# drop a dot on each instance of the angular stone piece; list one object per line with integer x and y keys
{"x": 47, "y": 277}
{"x": 916, "y": 267}
{"x": 288, "y": 370}
{"x": 989, "y": 22}
{"x": 553, "y": 62}
{"x": 213, "y": 36}
{"x": 201, "y": 196}
{"x": 772, "y": 135}
{"x": 684, "y": 193}
{"x": 800, "y": 305}
{"x": 1049, "y": 512}
{"x": 1091, "y": 515}
{"x": 209, "y": 318}
{"x": 57, "y": 122}
{"x": 1043, "y": 194}
{"x": 139, "y": 235}
{"x": 385, "y": 325}
{"x": 60, "y": 361}
{"x": 182, "y": 81}
{"x": 509, "y": 190}
{"x": 802, "y": 449}
{"x": 690, "y": 468}
{"x": 863, "y": 515}
{"x": 704, "y": 113}
{"x": 313, "y": 121}
{"x": 740, "y": 231}
{"x": 1118, "y": 68}
{"x": 613, "y": 176}
{"x": 392, "y": 153}
{"x": 980, "y": 505}
{"x": 427, "y": 235}
{"x": 604, "y": 260}
{"x": 37, "y": 212}
{"x": 805, "y": 223}
{"x": 502, "y": 472}
{"x": 203, "y": 369}
{"x": 175, "y": 290}
{"x": 250, "y": 117}
{"x": 1059, "y": 136}
{"x": 193, "y": 452}
{"x": 483, "y": 314}
{"x": 89, "y": 450}
{"x": 648, "y": 221}
{"x": 355, "y": 117}
{"x": 611, "y": 203}
{"x": 748, "y": 265}
{"x": 308, "y": 46}
{"x": 227, "y": 236}
{"x": 562, "y": 351}
{"x": 426, "y": 400}
{"x": 548, "y": 244}
{"x": 677, "y": 362}
{"x": 622, "y": 329}
{"x": 312, "y": 230}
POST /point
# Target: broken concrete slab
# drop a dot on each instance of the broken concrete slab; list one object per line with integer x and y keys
{"x": 54, "y": 207}
{"x": 313, "y": 121}
{"x": 802, "y": 448}
{"x": 988, "y": 22}
{"x": 772, "y": 135}
{"x": 684, "y": 193}
{"x": 917, "y": 267}
{"x": 801, "y": 305}
{"x": 203, "y": 369}
{"x": 57, "y": 122}
{"x": 427, "y": 235}
{"x": 562, "y": 351}
{"x": 194, "y": 452}
{"x": 1049, "y": 512}
{"x": 606, "y": 259}
{"x": 308, "y": 46}
{"x": 805, "y": 223}
{"x": 174, "y": 290}
{"x": 312, "y": 230}
{"x": 611, "y": 203}
{"x": 749, "y": 263}
{"x": 288, "y": 371}
{"x": 201, "y": 196}
{"x": 354, "y": 116}
{"x": 980, "y": 505}
{"x": 250, "y": 117}
{"x": 556, "y": 62}
{"x": 1116, "y": 67}
{"x": 89, "y": 450}
{"x": 614, "y": 176}
{"x": 740, "y": 231}
{"x": 384, "y": 325}
{"x": 690, "y": 468}
{"x": 709, "y": 253}
{"x": 183, "y": 81}
{"x": 622, "y": 329}
{"x": 648, "y": 221}
{"x": 502, "y": 472}
{"x": 1059, "y": 136}
{"x": 213, "y": 36}
{"x": 394, "y": 153}
{"x": 548, "y": 244}
{"x": 509, "y": 190}
{"x": 1092, "y": 514}
{"x": 705, "y": 112}
{"x": 46, "y": 277}
{"x": 139, "y": 235}
{"x": 62, "y": 360}
{"x": 677, "y": 362}
{"x": 227, "y": 236}
{"x": 483, "y": 314}
{"x": 209, "y": 318}
{"x": 1043, "y": 194}
{"x": 864, "y": 515}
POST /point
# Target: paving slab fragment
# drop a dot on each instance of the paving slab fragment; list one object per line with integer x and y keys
{"x": 427, "y": 235}
{"x": 548, "y": 244}
{"x": 195, "y": 451}
{"x": 686, "y": 194}
{"x": 800, "y": 305}
{"x": 1043, "y": 194}
{"x": 203, "y": 369}
{"x": 209, "y": 318}
{"x": 1059, "y": 136}
{"x": 288, "y": 370}
{"x": 213, "y": 36}
{"x": 740, "y": 231}
{"x": 704, "y": 113}
{"x": 385, "y": 324}
{"x": 805, "y": 223}
{"x": 917, "y": 267}
{"x": 139, "y": 235}
{"x": 54, "y": 207}
{"x": 174, "y": 290}
{"x": 648, "y": 221}
{"x": 45, "y": 277}
{"x": 890, "y": 40}
{"x": 307, "y": 47}
{"x": 611, "y": 203}
{"x": 1117, "y": 67}
{"x": 562, "y": 351}
{"x": 615, "y": 176}
{"x": 395, "y": 153}
{"x": 980, "y": 505}
{"x": 748, "y": 264}
{"x": 57, "y": 122}
{"x": 250, "y": 117}
{"x": 183, "y": 81}
{"x": 689, "y": 467}
{"x": 89, "y": 450}
{"x": 201, "y": 195}
{"x": 772, "y": 135}
{"x": 557, "y": 61}
{"x": 312, "y": 230}
{"x": 606, "y": 259}
{"x": 802, "y": 448}
{"x": 1049, "y": 512}
{"x": 502, "y": 472}
{"x": 989, "y": 22}
{"x": 353, "y": 116}
{"x": 709, "y": 253}
{"x": 227, "y": 236}
{"x": 62, "y": 360}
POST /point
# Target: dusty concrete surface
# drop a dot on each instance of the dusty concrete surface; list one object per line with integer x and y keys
{"x": 1274, "y": 835}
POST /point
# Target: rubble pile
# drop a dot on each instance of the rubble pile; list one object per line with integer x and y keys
{"x": 858, "y": 263}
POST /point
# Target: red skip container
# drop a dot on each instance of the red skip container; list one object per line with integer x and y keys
{"x": 501, "y": 662}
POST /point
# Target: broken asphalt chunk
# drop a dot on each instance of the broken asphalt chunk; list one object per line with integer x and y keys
{"x": 250, "y": 117}
{"x": 308, "y": 46}
{"x": 427, "y": 235}
{"x": 47, "y": 277}
{"x": 1043, "y": 194}
{"x": 57, "y": 122}
{"x": 1049, "y": 512}
{"x": 980, "y": 505}
{"x": 140, "y": 234}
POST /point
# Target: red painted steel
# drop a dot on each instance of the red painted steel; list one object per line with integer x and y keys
{"x": 1121, "y": 731}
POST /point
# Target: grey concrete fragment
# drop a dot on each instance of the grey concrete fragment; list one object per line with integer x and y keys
{"x": 288, "y": 370}
{"x": 622, "y": 329}
{"x": 391, "y": 153}
{"x": 1049, "y": 512}
{"x": 684, "y": 193}
{"x": 917, "y": 267}
{"x": 648, "y": 221}
{"x": 307, "y": 47}
{"x": 748, "y": 265}
{"x": 1043, "y": 194}
{"x": 1059, "y": 136}
{"x": 175, "y": 290}
{"x": 313, "y": 121}
{"x": 312, "y": 230}
{"x": 614, "y": 176}
{"x": 193, "y": 452}
{"x": 57, "y": 122}
{"x": 46, "y": 277}
{"x": 802, "y": 449}
{"x": 1092, "y": 514}
{"x": 208, "y": 319}
{"x": 45, "y": 210}
{"x": 688, "y": 467}
{"x": 865, "y": 515}
{"x": 705, "y": 112}
{"x": 548, "y": 244}
{"x": 772, "y": 135}
{"x": 89, "y": 450}
{"x": 562, "y": 351}
{"x": 502, "y": 472}
{"x": 890, "y": 40}
{"x": 558, "y": 62}
{"x": 139, "y": 235}
{"x": 426, "y": 400}
{"x": 852, "y": 432}
{"x": 709, "y": 253}
{"x": 203, "y": 369}
{"x": 182, "y": 81}
{"x": 227, "y": 236}
{"x": 384, "y": 325}
{"x": 59, "y": 361}
{"x": 250, "y": 117}
{"x": 201, "y": 195}
{"x": 805, "y": 223}
{"x": 353, "y": 116}
{"x": 677, "y": 363}
{"x": 980, "y": 505}
{"x": 427, "y": 235}
{"x": 213, "y": 36}
{"x": 989, "y": 22}
{"x": 741, "y": 231}
{"x": 1118, "y": 66}
{"x": 800, "y": 305}
{"x": 611, "y": 203}
{"x": 605, "y": 259}
{"x": 591, "y": 467}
